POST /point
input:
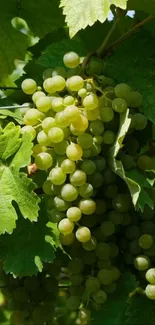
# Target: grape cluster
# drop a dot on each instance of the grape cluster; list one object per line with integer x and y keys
{"x": 74, "y": 122}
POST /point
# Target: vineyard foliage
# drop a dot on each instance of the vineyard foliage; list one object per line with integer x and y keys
{"x": 118, "y": 37}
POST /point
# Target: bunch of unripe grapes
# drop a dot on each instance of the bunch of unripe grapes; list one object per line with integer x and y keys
{"x": 74, "y": 122}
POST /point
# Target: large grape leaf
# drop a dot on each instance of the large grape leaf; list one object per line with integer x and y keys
{"x": 113, "y": 312}
{"x": 143, "y": 5}
{"x": 30, "y": 244}
{"x": 133, "y": 62}
{"x": 82, "y": 13}
{"x": 15, "y": 153}
{"x": 140, "y": 311}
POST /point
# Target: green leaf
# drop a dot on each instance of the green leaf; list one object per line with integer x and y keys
{"x": 30, "y": 245}
{"x": 15, "y": 114}
{"x": 142, "y": 5}
{"x": 140, "y": 311}
{"x": 9, "y": 141}
{"x": 22, "y": 157}
{"x": 137, "y": 69}
{"x": 113, "y": 312}
{"x": 52, "y": 57}
{"x": 82, "y": 13}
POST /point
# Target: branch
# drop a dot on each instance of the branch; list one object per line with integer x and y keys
{"x": 101, "y": 49}
{"x": 128, "y": 34}
{"x": 14, "y": 106}
{"x": 9, "y": 88}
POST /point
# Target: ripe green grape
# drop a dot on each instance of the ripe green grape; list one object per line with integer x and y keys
{"x": 95, "y": 149}
{"x": 78, "y": 178}
{"x": 68, "y": 166}
{"x": 145, "y": 162}
{"x": 87, "y": 206}
{"x": 110, "y": 288}
{"x": 82, "y": 92}
{"x": 134, "y": 99}
{"x": 57, "y": 104}
{"x": 60, "y": 120}
{"x": 84, "y": 314}
{"x": 92, "y": 284}
{"x": 150, "y": 275}
{"x": 76, "y": 279}
{"x": 29, "y": 86}
{"x": 73, "y": 303}
{"x": 81, "y": 124}
{"x": 43, "y": 139}
{"x": 57, "y": 176}
{"x": 60, "y": 204}
{"x": 122, "y": 90}
{"x": 43, "y": 104}
{"x": 97, "y": 180}
{"x": 92, "y": 115}
{"x": 68, "y": 100}
{"x": 111, "y": 191}
{"x": 101, "y": 206}
{"x": 100, "y": 163}
{"x": 85, "y": 140}
{"x": 74, "y": 152}
{"x": 150, "y": 291}
{"x": 88, "y": 166}
{"x": 119, "y": 105}
{"x": 83, "y": 234}
{"x": 96, "y": 127}
{"x": 30, "y": 130}
{"x": 103, "y": 251}
{"x": 43, "y": 161}
{"x": 145, "y": 241}
{"x": 127, "y": 161}
{"x": 86, "y": 153}
{"x": 141, "y": 262}
{"x": 90, "y": 245}
{"x": 65, "y": 226}
{"x": 54, "y": 84}
{"x": 106, "y": 113}
{"x": 47, "y": 187}
{"x": 86, "y": 190}
{"x": 67, "y": 240}
{"x": 100, "y": 297}
{"x": 107, "y": 228}
{"x": 69, "y": 192}
{"x": 122, "y": 203}
{"x": 71, "y": 113}
{"x": 37, "y": 95}
{"x": 55, "y": 135}
{"x": 59, "y": 71}
{"x": 55, "y": 216}
{"x": 71, "y": 60}
{"x": 60, "y": 147}
{"x": 115, "y": 217}
{"x": 74, "y": 214}
{"x": 105, "y": 276}
{"x": 48, "y": 123}
{"x": 33, "y": 117}
{"x": 90, "y": 102}
{"x": 74, "y": 83}
{"x": 109, "y": 137}
{"x": 98, "y": 139}
{"x": 139, "y": 121}
{"x": 109, "y": 176}
{"x": 115, "y": 273}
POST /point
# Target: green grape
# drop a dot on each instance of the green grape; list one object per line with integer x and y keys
{"x": 111, "y": 191}
{"x": 115, "y": 273}
{"x": 90, "y": 245}
{"x": 150, "y": 275}
{"x": 68, "y": 166}
{"x": 83, "y": 234}
{"x": 119, "y": 105}
{"x": 145, "y": 162}
{"x": 48, "y": 123}
{"x": 30, "y": 130}
{"x": 74, "y": 152}
{"x": 114, "y": 250}
{"x": 92, "y": 284}
{"x": 81, "y": 124}
{"x": 76, "y": 279}
{"x": 65, "y": 226}
{"x": 110, "y": 288}
{"x": 109, "y": 176}
{"x": 69, "y": 192}
{"x": 115, "y": 217}
{"x": 68, "y": 100}
{"x": 97, "y": 180}
{"x": 43, "y": 161}
{"x": 86, "y": 153}
{"x": 103, "y": 251}
{"x": 60, "y": 148}
{"x": 104, "y": 264}
{"x": 57, "y": 176}
{"x": 122, "y": 203}
{"x": 38, "y": 149}
{"x": 33, "y": 117}
{"x": 55, "y": 189}
{"x": 84, "y": 314}
{"x": 78, "y": 178}
{"x": 107, "y": 228}
{"x": 54, "y": 84}
{"x": 60, "y": 120}
{"x": 96, "y": 127}
{"x": 132, "y": 232}
{"x": 85, "y": 140}
{"x": 147, "y": 227}
{"x": 47, "y": 187}
{"x": 100, "y": 163}
{"x": 66, "y": 132}
{"x": 43, "y": 104}
{"x": 74, "y": 83}
{"x": 90, "y": 102}
{"x": 43, "y": 139}
{"x": 88, "y": 166}
{"x": 74, "y": 214}
{"x": 71, "y": 113}
{"x": 29, "y": 86}
{"x": 100, "y": 297}
{"x": 86, "y": 190}
{"x": 95, "y": 149}
{"x": 75, "y": 131}
{"x": 76, "y": 265}
{"x": 55, "y": 216}
{"x": 73, "y": 303}
{"x": 98, "y": 139}
{"x": 122, "y": 91}
{"x": 94, "y": 67}
{"x": 101, "y": 206}
{"x": 57, "y": 104}
{"x": 134, "y": 99}
{"x": 141, "y": 262}
{"x": 139, "y": 121}
{"x": 92, "y": 115}
{"x": 87, "y": 206}
{"x": 109, "y": 137}
{"x": 17, "y": 317}
{"x": 59, "y": 71}
{"x": 24, "y": 108}
{"x": 82, "y": 92}
{"x": 105, "y": 276}
{"x": 134, "y": 248}
{"x": 71, "y": 60}
{"x": 150, "y": 291}
{"x": 67, "y": 240}
{"x": 145, "y": 241}
{"x": 55, "y": 135}
{"x": 127, "y": 161}
{"x": 106, "y": 113}
{"x": 60, "y": 204}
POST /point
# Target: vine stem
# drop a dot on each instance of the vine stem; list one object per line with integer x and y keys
{"x": 127, "y": 34}
{"x": 101, "y": 49}
{"x": 9, "y": 88}
{"x": 14, "y": 106}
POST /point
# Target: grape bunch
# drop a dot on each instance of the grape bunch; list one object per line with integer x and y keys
{"x": 74, "y": 121}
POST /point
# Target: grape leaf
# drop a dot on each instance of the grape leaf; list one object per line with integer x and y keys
{"x": 113, "y": 312}
{"x": 52, "y": 57}
{"x": 136, "y": 69}
{"x": 142, "y": 5}
{"x": 140, "y": 311}
{"x": 27, "y": 247}
{"x": 82, "y": 13}
{"x": 117, "y": 165}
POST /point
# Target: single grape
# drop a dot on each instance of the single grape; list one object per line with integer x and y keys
{"x": 74, "y": 214}
{"x": 69, "y": 192}
{"x": 57, "y": 104}
{"x": 98, "y": 139}
{"x": 68, "y": 100}
{"x": 92, "y": 115}
{"x": 145, "y": 162}
{"x": 127, "y": 161}
{"x": 97, "y": 180}
{"x": 43, "y": 139}
{"x": 109, "y": 137}
{"x": 76, "y": 279}
{"x": 134, "y": 99}
{"x": 114, "y": 250}
{"x": 43, "y": 104}
{"x": 67, "y": 240}
{"x": 71, "y": 113}
{"x": 57, "y": 176}
{"x": 139, "y": 121}
{"x": 119, "y": 105}
{"x": 122, "y": 202}
{"x": 88, "y": 166}
{"x": 55, "y": 216}
{"x": 60, "y": 147}
{"x": 122, "y": 90}
{"x": 85, "y": 140}
{"x": 54, "y": 84}
{"x": 83, "y": 234}
{"x": 87, "y": 206}
{"x": 43, "y": 161}
{"x": 100, "y": 163}
{"x": 150, "y": 291}
{"x": 48, "y": 123}
{"x": 81, "y": 124}
{"x": 65, "y": 226}
{"x": 95, "y": 149}
{"x": 82, "y": 92}
{"x": 71, "y": 60}
{"x": 150, "y": 275}
{"x": 106, "y": 113}
{"x": 105, "y": 276}
{"x": 33, "y": 117}
{"x": 60, "y": 120}
{"x": 68, "y": 166}
{"x": 60, "y": 204}
{"x": 90, "y": 102}
{"x": 59, "y": 71}
{"x": 56, "y": 134}
{"x": 145, "y": 241}
{"x": 103, "y": 251}
{"x": 92, "y": 284}
{"x": 107, "y": 228}
{"x": 86, "y": 190}
{"x": 115, "y": 217}
{"x": 109, "y": 176}
{"x": 101, "y": 206}
{"x": 74, "y": 152}
{"x": 90, "y": 245}
{"x": 78, "y": 178}
{"x": 141, "y": 262}
{"x": 86, "y": 153}
{"x": 37, "y": 95}
{"x": 30, "y": 130}
{"x": 47, "y": 73}
{"x": 96, "y": 127}
{"x": 115, "y": 273}
{"x": 111, "y": 191}
{"x": 100, "y": 297}
{"x": 74, "y": 83}
{"x": 29, "y": 86}
{"x": 84, "y": 314}
{"x": 110, "y": 288}
{"x": 47, "y": 187}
